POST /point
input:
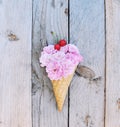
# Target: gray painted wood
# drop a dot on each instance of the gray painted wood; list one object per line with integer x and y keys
{"x": 48, "y": 15}
{"x": 15, "y": 63}
{"x": 113, "y": 63}
{"x": 87, "y": 32}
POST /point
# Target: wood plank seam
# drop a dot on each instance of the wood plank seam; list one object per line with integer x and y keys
{"x": 68, "y": 42}
{"x": 105, "y": 63}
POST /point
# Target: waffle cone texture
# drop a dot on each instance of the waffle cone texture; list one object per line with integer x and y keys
{"x": 60, "y": 89}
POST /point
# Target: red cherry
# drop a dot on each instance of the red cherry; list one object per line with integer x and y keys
{"x": 62, "y": 42}
{"x": 57, "y": 46}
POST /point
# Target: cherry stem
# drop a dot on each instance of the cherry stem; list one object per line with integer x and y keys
{"x": 55, "y": 36}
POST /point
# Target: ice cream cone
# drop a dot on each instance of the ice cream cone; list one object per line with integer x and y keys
{"x": 60, "y": 61}
{"x": 60, "y": 88}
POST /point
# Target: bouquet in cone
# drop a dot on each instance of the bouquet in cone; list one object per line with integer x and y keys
{"x": 60, "y": 61}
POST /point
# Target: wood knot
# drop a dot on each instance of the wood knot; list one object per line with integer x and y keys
{"x": 12, "y": 37}
{"x": 96, "y": 79}
{"x": 53, "y": 3}
{"x": 87, "y": 119}
{"x": 61, "y": 4}
{"x": 118, "y": 103}
{"x": 85, "y": 72}
{"x": 66, "y": 11}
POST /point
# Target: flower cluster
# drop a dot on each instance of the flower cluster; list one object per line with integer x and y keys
{"x": 60, "y": 63}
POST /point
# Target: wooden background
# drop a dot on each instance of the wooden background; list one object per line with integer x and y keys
{"x": 26, "y": 97}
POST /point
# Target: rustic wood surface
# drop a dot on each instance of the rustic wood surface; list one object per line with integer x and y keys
{"x": 88, "y": 33}
{"x": 15, "y": 63}
{"x": 112, "y": 63}
{"x": 48, "y": 16}
{"x": 26, "y": 99}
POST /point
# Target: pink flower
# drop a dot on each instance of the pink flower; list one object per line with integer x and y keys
{"x": 45, "y": 59}
{"x": 54, "y": 70}
{"x": 68, "y": 67}
{"x": 49, "y": 49}
{"x": 60, "y": 63}
{"x": 64, "y": 49}
{"x": 58, "y": 56}
{"x": 59, "y": 69}
{"x": 75, "y": 58}
{"x": 73, "y": 49}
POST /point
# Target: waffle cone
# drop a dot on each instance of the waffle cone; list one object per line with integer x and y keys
{"x": 60, "y": 88}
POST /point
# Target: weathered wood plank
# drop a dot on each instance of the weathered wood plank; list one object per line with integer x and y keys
{"x": 113, "y": 63}
{"x": 15, "y": 63}
{"x": 87, "y": 32}
{"x": 48, "y": 15}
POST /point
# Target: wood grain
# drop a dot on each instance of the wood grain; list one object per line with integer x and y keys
{"x": 113, "y": 63}
{"x": 48, "y": 16}
{"x": 15, "y": 63}
{"x": 87, "y": 32}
